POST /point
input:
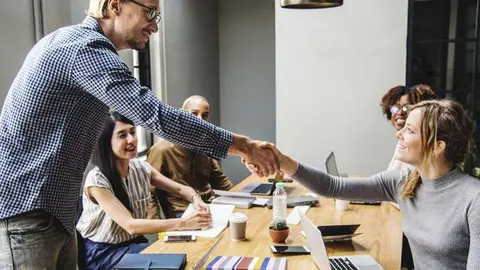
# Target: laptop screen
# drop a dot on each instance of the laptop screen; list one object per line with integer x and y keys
{"x": 331, "y": 165}
{"x": 315, "y": 242}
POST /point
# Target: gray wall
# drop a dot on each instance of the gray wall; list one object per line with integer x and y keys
{"x": 332, "y": 68}
{"x": 191, "y": 52}
{"x": 78, "y": 10}
{"x": 247, "y": 73}
{"x": 17, "y": 41}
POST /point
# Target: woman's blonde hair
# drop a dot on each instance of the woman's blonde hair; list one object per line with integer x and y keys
{"x": 443, "y": 120}
{"x": 98, "y": 9}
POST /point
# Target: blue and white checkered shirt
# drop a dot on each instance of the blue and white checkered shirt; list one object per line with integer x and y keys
{"x": 56, "y": 109}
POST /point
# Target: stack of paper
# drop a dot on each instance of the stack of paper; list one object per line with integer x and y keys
{"x": 220, "y": 216}
{"x": 244, "y": 263}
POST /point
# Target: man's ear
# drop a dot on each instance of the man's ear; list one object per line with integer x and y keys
{"x": 114, "y": 6}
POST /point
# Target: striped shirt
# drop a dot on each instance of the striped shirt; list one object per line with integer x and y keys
{"x": 95, "y": 224}
{"x": 56, "y": 109}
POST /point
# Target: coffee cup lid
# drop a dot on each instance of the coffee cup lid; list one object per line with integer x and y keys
{"x": 238, "y": 217}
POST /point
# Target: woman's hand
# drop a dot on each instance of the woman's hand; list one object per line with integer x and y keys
{"x": 197, "y": 220}
{"x": 200, "y": 205}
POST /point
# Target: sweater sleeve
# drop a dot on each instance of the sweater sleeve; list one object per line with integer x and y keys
{"x": 383, "y": 186}
{"x": 473, "y": 217}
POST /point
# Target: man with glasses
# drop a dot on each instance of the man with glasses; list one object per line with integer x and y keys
{"x": 53, "y": 114}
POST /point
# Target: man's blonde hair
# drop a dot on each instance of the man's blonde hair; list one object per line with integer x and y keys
{"x": 98, "y": 9}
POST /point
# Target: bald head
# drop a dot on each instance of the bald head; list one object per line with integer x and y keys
{"x": 198, "y": 106}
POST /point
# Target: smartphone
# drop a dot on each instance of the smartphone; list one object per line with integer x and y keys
{"x": 179, "y": 238}
{"x": 290, "y": 250}
{"x": 285, "y": 180}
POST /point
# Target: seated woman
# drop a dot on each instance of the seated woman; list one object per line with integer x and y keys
{"x": 395, "y": 106}
{"x": 440, "y": 205}
{"x": 116, "y": 194}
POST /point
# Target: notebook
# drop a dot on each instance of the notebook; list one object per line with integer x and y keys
{"x": 220, "y": 215}
{"x": 244, "y": 263}
{"x": 152, "y": 261}
{"x": 239, "y": 202}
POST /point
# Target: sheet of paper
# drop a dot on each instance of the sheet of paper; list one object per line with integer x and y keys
{"x": 294, "y": 217}
{"x": 220, "y": 215}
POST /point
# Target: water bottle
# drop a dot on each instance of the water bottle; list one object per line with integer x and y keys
{"x": 279, "y": 203}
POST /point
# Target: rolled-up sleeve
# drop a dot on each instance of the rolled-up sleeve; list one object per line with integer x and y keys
{"x": 99, "y": 70}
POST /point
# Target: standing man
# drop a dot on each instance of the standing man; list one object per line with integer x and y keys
{"x": 53, "y": 114}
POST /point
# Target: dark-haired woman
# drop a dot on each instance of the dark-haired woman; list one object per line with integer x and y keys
{"x": 395, "y": 106}
{"x": 116, "y": 194}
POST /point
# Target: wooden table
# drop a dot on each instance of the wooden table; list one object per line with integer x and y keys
{"x": 380, "y": 225}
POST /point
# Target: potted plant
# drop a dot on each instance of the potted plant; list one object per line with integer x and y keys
{"x": 279, "y": 231}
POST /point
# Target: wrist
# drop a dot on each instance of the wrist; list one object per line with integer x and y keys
{"x": 181, "y": 224}
{"x": 195, "y": 197}
{"x": 288, "y": 165}
{"x": 239, "y": 145}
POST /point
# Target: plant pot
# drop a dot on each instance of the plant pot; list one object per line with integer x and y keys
{"x": 279, "y": 236}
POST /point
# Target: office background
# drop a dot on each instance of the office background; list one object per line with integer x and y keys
{"x": 308, "y": 80}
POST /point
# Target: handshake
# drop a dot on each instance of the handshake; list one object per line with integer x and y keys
{"x": 264, "y": 159}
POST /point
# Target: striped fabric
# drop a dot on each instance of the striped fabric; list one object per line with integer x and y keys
{"x": 244, "y": 263}
{"x": 95, "y": 224}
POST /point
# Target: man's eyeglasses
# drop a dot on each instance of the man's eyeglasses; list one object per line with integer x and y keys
{"x": 152, "y": 14}
{"x": 395, "y": 109}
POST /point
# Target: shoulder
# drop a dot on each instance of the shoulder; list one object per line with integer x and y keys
{"x": 96, "y": 178}
{"x": 470, "y": 185}
{"x": 161, "y": 147}
{"x": 139, "y": 165}
{"x": 398, "y": 175}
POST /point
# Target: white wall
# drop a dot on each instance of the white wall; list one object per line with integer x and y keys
{"x": 332, "y": 68}
{"x": 247, "y": 72}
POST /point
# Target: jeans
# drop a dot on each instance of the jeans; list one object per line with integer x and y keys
{"x": 36, "y": 240}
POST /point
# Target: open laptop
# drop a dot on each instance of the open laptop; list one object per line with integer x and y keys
{"x": 331, "y": 165}
{"x": 265, "y": 189}
{"x": 319, "y": 252}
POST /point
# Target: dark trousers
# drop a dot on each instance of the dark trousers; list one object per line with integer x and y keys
{"x": 106, "y": 256}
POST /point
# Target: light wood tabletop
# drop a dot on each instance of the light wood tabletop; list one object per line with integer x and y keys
{"x": 380, "y": 227}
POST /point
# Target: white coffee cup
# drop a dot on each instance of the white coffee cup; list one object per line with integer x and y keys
{"x": 342, "y": 205}
{"x": 238, "y": 226}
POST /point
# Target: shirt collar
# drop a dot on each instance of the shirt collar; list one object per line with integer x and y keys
{"x": 92, "y": 23}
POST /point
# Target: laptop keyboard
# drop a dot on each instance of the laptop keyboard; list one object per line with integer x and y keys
{"x": 342, "y": 264}
{"x": 262, "y": 188}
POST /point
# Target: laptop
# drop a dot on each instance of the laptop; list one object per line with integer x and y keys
{"x": 319, "y": 252}
{"x": 265, "y": 189}
{"x": 331, "y": 165}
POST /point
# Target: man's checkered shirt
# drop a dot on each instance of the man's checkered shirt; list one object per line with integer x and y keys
{"x": 54, "y": 113}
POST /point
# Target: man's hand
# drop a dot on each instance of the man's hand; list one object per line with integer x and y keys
{"x": 286, "y": 164}
{"x": 252, "y": 152}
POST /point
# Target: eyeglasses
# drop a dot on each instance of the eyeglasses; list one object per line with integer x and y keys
{"x": 395, "y": 109}
{"x": 152, "y": 14}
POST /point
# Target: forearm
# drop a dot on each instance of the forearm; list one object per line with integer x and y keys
{"x": 178, "y": 190}
{"x": 143, "y": 226}
{"x": 239, "y": 146}
{"x": 371, "y": 188}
